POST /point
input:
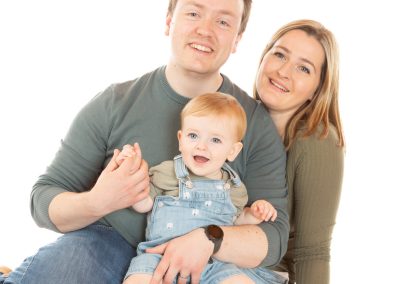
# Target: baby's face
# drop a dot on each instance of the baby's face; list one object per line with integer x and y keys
{"x": 206, "y": 142}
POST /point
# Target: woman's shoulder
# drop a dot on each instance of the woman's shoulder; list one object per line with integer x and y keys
{"x": 316, "y": 153}
{"x": 318, "y": 136}
{"x": 316, "y": 143}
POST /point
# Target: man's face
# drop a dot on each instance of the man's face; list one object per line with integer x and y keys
{"x": 203, "y": 34}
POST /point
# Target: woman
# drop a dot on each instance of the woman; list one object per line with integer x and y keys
{"x": 298, "y": 82}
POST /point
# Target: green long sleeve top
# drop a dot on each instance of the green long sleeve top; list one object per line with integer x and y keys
{"x": 314, "y": 175}
{"x": 146, "y": 110}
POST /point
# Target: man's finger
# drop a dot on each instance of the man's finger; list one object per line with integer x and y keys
{"x": 160, "y": 249}
{"x": 137, "y": 149}
{"x": 195, "y": 278}
{"x": 160, "y": 271}
{"x": 112, "y": 164}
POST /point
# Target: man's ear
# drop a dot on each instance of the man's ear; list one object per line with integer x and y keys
{"x": 238, "y": 38}
{"x": 179, "y": 138}
{"x": 168, "y": 22}
{"x": 236, "y": 148}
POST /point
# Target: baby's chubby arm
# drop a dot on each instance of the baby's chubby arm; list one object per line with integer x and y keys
{"x": 259, "y": 211}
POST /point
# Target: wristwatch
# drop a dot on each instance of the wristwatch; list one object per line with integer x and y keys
{"x": 215, "y": 234}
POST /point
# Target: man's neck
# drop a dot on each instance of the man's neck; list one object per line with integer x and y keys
{"x": 190, "y": 84}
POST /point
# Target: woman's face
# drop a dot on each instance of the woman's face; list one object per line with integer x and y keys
{"x": 290, "y": 72}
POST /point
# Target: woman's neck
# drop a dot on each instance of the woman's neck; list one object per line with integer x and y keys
{"x": 280, "y": 120}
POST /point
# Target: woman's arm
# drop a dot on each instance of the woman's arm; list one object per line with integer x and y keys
{"x": 315, "y": 170}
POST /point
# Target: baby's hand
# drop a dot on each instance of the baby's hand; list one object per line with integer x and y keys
{"x": 128, "y": 151}
{"x": 263, "y": 210}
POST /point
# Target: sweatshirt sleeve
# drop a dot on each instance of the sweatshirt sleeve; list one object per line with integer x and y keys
{"x": 317, "y": 165}
{"x": 265, "y": 178}
{"x": 78, "y": 162}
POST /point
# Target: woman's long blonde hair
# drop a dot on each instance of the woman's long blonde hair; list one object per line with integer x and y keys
{"x": 323, "y": 108}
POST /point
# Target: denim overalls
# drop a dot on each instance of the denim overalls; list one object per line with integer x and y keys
{"x": 200, "y": 203}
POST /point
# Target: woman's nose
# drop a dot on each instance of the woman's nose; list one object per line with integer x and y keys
{"x": 284, "y": 70}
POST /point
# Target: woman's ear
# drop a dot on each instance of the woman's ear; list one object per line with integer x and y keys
{"x": 236, "y": 148}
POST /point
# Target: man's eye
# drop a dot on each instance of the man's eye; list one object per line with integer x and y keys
{"x": 224, "y": 23}
{"x": 193, "y": 14}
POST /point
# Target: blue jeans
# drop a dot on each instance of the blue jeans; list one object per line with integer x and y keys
{"x": 96, "y": 254}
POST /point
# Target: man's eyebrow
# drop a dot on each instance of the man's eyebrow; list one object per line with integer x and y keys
{"x": 201, "y": 6}
{"x": 301, "y": 58}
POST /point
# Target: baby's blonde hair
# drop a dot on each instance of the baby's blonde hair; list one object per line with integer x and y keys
{"x": 218, "y": 105}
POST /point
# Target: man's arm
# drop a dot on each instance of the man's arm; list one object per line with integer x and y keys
{"x": 76, "y": 189}
{"x": 116, "y": 188}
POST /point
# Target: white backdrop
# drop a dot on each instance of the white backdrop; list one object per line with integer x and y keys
{"x": 56, "y": 55}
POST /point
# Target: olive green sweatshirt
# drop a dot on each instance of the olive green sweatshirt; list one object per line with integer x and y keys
{"x": 147, "y": 110}
{"x": 314, "y": 174}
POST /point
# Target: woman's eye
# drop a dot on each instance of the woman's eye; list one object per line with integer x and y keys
{"x": 279, "y": 55}
{"x": 304, "y": 69}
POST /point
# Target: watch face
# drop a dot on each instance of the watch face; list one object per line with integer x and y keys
{"x": 215, "y": 231}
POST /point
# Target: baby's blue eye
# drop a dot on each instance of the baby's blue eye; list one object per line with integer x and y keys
{"x": 192, "y": 135}
{"x": 216, "y": 140}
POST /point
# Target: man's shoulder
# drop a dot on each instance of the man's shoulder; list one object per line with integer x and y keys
{"x": 126, "y": 92}
{"x": 122, "y": 88}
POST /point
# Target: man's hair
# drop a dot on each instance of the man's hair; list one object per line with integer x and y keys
{"x": 218, "y": 105}
{"x": 245, "y": 15}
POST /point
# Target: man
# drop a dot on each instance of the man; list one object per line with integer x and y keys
{"x": 85, "y": 195}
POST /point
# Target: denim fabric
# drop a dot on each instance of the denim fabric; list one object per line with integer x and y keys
{"x": 200, "y": 203}
{"x": 264, "y": 275}
{"x": 96, "y": 254}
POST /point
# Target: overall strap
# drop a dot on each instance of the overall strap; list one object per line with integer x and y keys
{"x": 234, "y": 177}
{"x": 181, "y": 171}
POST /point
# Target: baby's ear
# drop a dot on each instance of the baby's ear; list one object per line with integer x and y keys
{"x": 236, "y": 148}
{"x": 179, "y": 134}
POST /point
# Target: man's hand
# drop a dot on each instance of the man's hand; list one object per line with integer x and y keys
{"x": 177, "y": 261}
{"x": 120, "y": 186}
{"x": 117, "y": 187}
